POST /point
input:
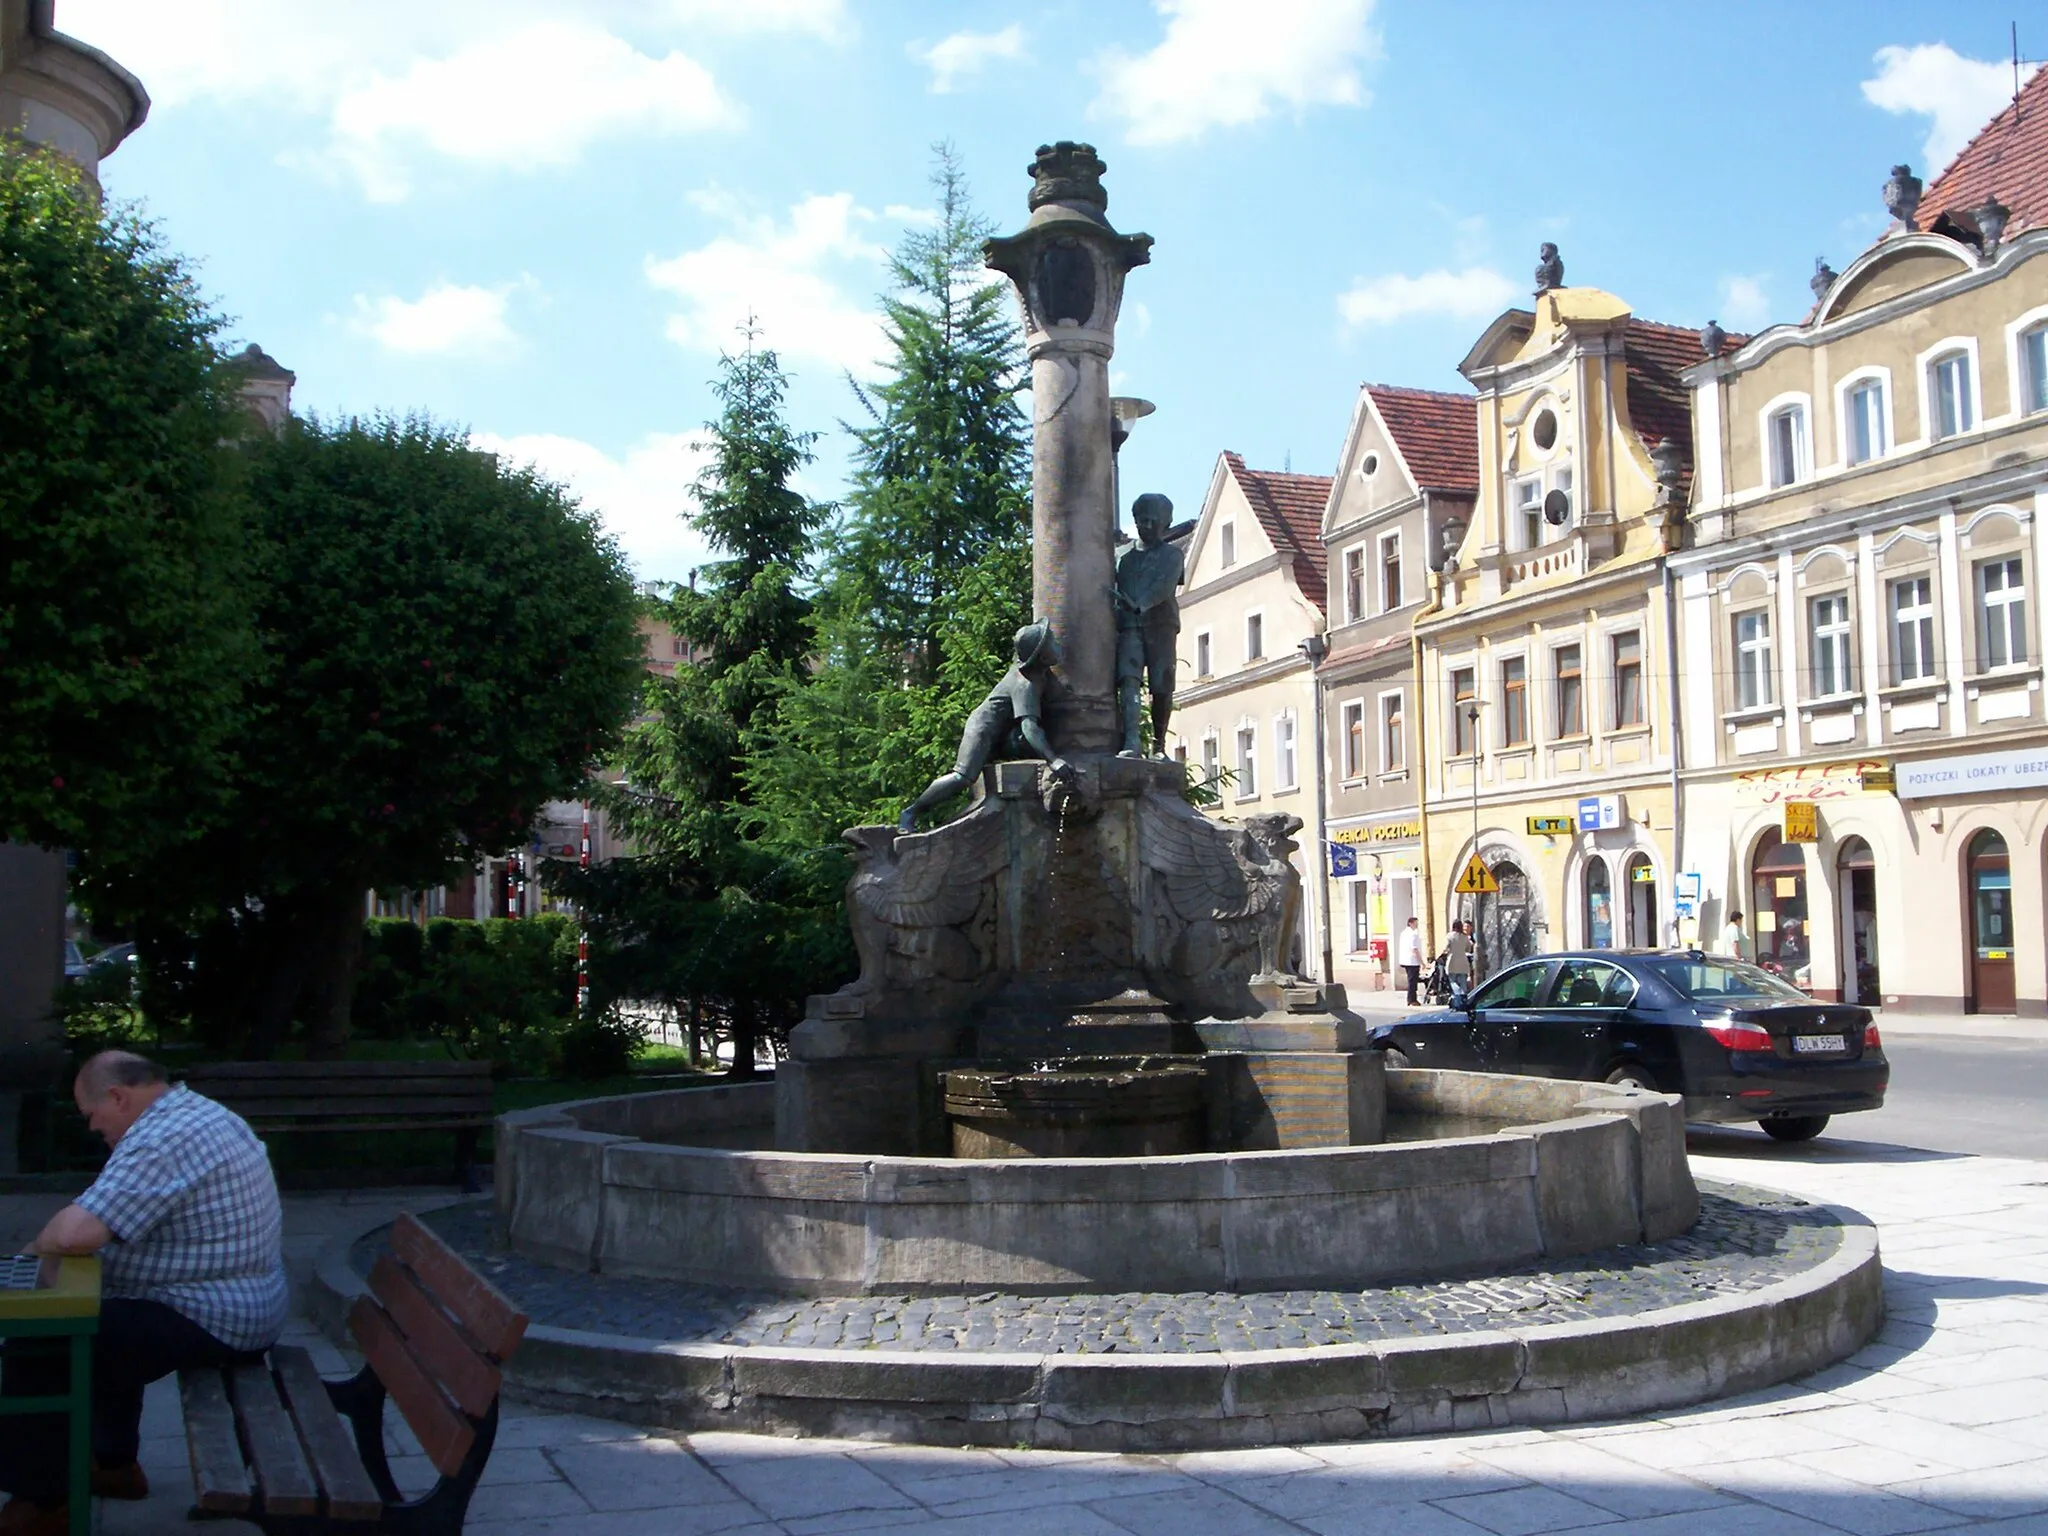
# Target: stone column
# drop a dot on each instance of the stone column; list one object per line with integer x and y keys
{"x": 1068, "y": 266}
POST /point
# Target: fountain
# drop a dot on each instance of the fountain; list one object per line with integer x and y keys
{"x": 1076, "y": 1062}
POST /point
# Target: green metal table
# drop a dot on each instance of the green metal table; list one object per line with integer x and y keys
{"x": 64, "y": 1304}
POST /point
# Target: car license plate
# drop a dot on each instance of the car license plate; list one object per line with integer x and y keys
{"x": 1805, "y": 1045}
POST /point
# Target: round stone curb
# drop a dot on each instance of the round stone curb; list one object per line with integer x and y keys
{"x": 1549, "y": 1374}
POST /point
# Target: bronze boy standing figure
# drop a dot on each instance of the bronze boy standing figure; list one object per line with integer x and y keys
{"x": 1147, "y": 621}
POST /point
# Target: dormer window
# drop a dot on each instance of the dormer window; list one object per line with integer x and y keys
{"x": 1529, "y": 513}
{"x": 1785, "y": 442}
{"x": 2034, "y": 370}
{"x": 1948, "y": 394}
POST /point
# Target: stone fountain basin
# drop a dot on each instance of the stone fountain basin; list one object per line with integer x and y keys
{"x": 1132, "y": 1106}
{"x": 607, "y": 1185}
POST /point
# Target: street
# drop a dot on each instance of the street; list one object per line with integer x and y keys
{"x": 1950, "y": 1093}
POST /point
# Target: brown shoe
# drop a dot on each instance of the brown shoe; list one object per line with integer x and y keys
{"x": 125, "y": 1482}
{"x": 21, "y": 1518}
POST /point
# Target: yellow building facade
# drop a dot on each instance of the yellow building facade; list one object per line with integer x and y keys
{"x": 1548, "y": 715}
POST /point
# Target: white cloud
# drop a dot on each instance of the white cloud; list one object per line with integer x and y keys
{"x": 1958, "y": 95}
{"x": 449, "y": 319}
{"x": 1744, "y": 304}
{"x": 953, "y": 58}
{"x": 640, "y": 499}
{"x": 792, "y": 277}
{"x": 508, "y": 84}
{"x": 1473, "y": 294}
{"x": 521, "y": 100}
{"x": 1225, "y": 63}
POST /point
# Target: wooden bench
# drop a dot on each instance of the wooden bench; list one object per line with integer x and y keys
{"x": 274, "y": 1444}
{"x": 277, "y": 1097}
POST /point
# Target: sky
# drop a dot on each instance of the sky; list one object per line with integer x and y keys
{"x": 543, "y": 221}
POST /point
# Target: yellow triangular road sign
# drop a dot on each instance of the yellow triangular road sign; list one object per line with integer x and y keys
{"x": 1477, "y": 880}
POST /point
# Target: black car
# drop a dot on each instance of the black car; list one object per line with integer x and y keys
{"x": 1737, "y": 1042}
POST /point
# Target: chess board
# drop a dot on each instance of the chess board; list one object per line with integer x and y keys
{"x": 19, "y": 1272}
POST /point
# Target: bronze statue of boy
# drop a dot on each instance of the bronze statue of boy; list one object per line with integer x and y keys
{"x": 1148, "y": 581}
{"x": 1007, "y": 723}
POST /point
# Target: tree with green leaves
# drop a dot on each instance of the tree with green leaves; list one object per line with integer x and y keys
{"x": 704, "y": 914}
{"x": 446, "y": 643}
{"x": 929, "y": 576}
{"x": 122, "y": 625}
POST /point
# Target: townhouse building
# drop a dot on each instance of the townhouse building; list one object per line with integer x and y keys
{"x": 1409, "y": 471}
{"x": 1865, "y": 744}
{"x": 1547, "y": 749}
{"x": 1245, "y": 700}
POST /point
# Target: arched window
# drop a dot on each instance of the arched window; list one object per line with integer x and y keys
{"x": 1777, "y": 912}
{"x": 1599, "y": 905}
{"x": 1988, "y": 869}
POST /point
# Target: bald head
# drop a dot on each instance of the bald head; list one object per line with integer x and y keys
{"x": 114, "y": 1088}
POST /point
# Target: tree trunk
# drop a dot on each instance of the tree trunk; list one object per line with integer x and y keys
{"x": 744, "y": 1028}
{"x": 275, "y": 977}
{"x": 332, "y": 933}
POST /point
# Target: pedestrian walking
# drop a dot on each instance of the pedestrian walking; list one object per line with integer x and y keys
{"x": 1410, "y": 956}
{"x": 1458, "y": 955}
{"x": 1734, "y": 942}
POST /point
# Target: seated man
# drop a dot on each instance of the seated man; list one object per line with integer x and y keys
{"x": 186, "y": 1221}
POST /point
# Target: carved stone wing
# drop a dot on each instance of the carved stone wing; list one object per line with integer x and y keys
{"x": 937, "y": 878}
{"x": 1196, "y": 863}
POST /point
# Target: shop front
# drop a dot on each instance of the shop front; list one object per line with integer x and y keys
{"x": 1376, "y": 880}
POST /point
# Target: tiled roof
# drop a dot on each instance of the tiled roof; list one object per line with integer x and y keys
{"x": 1659, "y": 404}
{"x": 2008, "y": 157}
{"x": 1437, "y": 433}
{"x": 1290, "y": 509}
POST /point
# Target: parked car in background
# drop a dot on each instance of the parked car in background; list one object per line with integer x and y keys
{"x": 122, "y": 954}
{"x": 1738, "y": 1043}
{"x": 74, "y": 959}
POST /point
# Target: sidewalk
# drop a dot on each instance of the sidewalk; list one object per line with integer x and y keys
{"x": 1941, "y": 1424}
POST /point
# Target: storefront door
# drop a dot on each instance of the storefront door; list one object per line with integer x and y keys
{"x": 1777, "y": 911}
{"x": 1642, "y": 903}
{"x": 1503, "y": 923}
{"x": 1856, "y": 899}
{"x": 1991, "y": 934}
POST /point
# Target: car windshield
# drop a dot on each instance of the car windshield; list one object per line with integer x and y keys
{"x": 1707, "y": 979}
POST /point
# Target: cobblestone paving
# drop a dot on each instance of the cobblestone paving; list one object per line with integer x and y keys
{"x": 1745, "y": 1239}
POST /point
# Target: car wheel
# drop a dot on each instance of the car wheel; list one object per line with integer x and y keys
{"x": 1395, "y": 1058}
{"x": 1795, "y": 1127}
{"x": 1631, "y": 1074}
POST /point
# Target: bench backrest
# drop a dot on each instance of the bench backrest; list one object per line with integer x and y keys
{"x": 272, "y": 1091}
{"x": 436, "y": 1333}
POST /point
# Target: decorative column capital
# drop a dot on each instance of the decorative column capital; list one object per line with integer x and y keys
{"x": 1068, "y": 263}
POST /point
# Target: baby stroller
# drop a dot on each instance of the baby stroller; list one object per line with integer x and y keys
{"x": 1437, "y": 985}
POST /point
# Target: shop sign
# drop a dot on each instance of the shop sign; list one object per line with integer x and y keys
{"x": 1550, "y": 826}
{"x": 1982, "y": 773}
{"x": 1379, "y": 832}
{"x": 1643, "y": 874}
{"x": 1343, "y": 860}
{"x": 1802, "y": 821}
{"x": 1686, "y": 900}
{"x": 1838, "y": 780}
{"x": 1599, "y": 813}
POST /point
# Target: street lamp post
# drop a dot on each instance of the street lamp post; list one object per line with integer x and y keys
{"x": 1315, "y": 647}
{"x": 1472, "y": 724}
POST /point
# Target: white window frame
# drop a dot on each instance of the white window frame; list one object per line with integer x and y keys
{"x": 2018, "y": 372}
{"x": 1844, "y": 388}
{"x": 1838, "y": 639}
{"x": 1396, "y": 760}
{"x": 1459, "y": 724}
{"x": 2018, "y": 651}
{"x": 1391, "y": 543}
{"x": 1942, "y": 351}
{"x": 1205, "y": 654}
{"x": 1226, "y": 543}
{"x": 1754, "y": 658}
{"x": 1356, "y": 764}
{"x": 1500, "y": 673}
{"x": 1354, "y": 584}
{"x": 1247, "y": 740}
{"x": 1528, "y": 534}
{"x": 1614, "y": 637}
{"x": 1557, "y": 730}
{"x": 1286, "y": 766}
{"x": 1921, "y": 616}
{"x": 1799, "y": 406}
{"x": 1255, "y": 626}
{"x": 1212, "y": 755}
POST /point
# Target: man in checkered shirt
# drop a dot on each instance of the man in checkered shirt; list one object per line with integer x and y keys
{"x": 186, "y": 1221}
